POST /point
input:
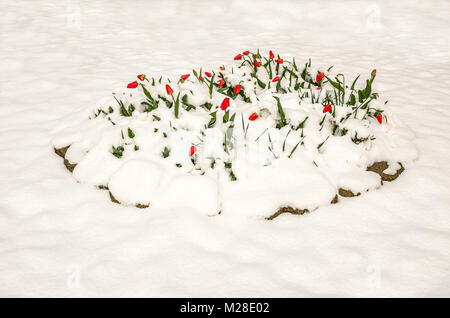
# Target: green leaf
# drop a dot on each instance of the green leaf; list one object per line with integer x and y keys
{"x": 177, "y": 105}
{"x": 131, "y": 133}
{"x": 282, "y": 122}
{"x": 260, "y": 83}
{"x": 213, "y": 119}
{"x": 293, "y": 149}
{"x": 166, "y": 152}
{"x": 146, "y": 92}
{"x": 336, "y": 84}
{"x": 354, "y": 82}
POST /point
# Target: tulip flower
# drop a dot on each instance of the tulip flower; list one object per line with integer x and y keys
{"x": 380, "y": 118}
{"x": 257, "y": 64}
{"x": 185, "y": 77}
{"x": 222, "y": 68}
{"x": 208, "y": 74}
{"x": 192, "y": 151}
{"x": 253, "y": 116}
{"x": 141, "y": 77}
{"x": 132, "y": 85}
{"x": 318, "y": 88}
{"x": 373, "y": 73}
{"x": 246, "y": 52}
{"x": 221, "y": 83}
{"x": 279, "y": 61}
{"x": 238, "y": 57}
{"x": 319, "y": 77}
{"x": 201, "y": 78}
{"x": 271, "y": 55}
{"x": 169, "y": 90}
{"x": 255, "y": 56}
{"x": 225, "y": 104}
{"x": 237, "y": 89}
{"x": 276, "y": 79}
{"x": 327, "y": 108}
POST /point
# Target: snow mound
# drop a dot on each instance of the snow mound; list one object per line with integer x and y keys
{"x": 136, "y": 182}
{"x": 245, "y": 139}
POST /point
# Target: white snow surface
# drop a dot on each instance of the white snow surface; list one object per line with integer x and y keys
{"x": 64, "y": 238}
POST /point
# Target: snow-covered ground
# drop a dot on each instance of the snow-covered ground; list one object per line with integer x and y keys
{"x": 63, "y": 238}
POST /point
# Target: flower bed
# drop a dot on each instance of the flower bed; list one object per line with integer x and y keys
{"x": 259, "y": 136}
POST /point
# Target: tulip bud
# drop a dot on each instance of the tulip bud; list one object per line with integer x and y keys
{"x": 327, "y": 108}
{"x": 253, "y": 116}
{"x": 319, "y": 77}
{"x": 132, "y": 85}
{"x": 237, "y": 89}
{"x": 169, "y": 90}
{"x": 192, "y": 151}
{"x": 225, "y": 103}
{"x": 380, "y": 118}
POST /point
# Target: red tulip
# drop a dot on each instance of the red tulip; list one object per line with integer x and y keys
{"x": 327, "y": 108}
{"x": 271, "y": 55}
{"x": 237, "y": 89}
{"x": 221, "y": 83}
{"x": 132, "y": 85}
{"x": 192, "y": 151}
{"x": 255, "y": 55}
{"x": 246, "y": 52}
{"x": 276, "y": 79}
{"x": 380, "y": 118}
{"x": 279, "y": 61}
{"x": 219, "y": 76}
{"x": 185, "y": 77}
{"x": 238, "y": 57}
{"x": 319, "y": 77}
{"x": 208, "y": 74}
{"x": 222, "y": 68}
{"x": 141, "y": 77}
{"x": 201, "y": 79}
{"x": 374, "y": 72}
{"x": 169, "y": 90}
{"x": 319, "y": 88}
{"x": 257, "y": 64}
{"x": 225, "y": 103}
{"x": 253, "y": 116}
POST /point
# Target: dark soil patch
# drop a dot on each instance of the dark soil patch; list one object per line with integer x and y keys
{"x": 287, "y": 209}
{"x": 347, "y": 193}
{"x": 62, "y": 153}
{"x": 335, "y": 199}
{"x": 140, "y": 206}
{"x": 113, "y": 199}
{"x": 379, "y": 167}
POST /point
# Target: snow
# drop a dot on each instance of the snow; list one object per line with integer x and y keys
{"x": 136, "y": 182}
{"x": 390, "y": 241}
